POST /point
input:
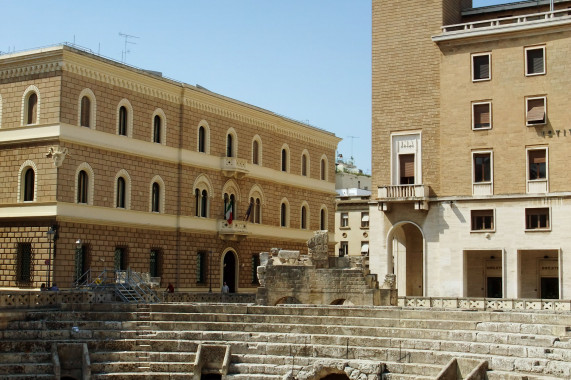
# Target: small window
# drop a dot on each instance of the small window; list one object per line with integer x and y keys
{"x": 482, "y": 167}
{"x": 537, "y": 161}
{"x": 482, "y": 220}
{"x": 481, "y": 67}
{"x": 157, "y": 129}
{"x": 536, "y": 111}
{"x": 155, "y": 263}
{"x": 537, "y": 218}
{"x": 303, "y": 217}
{"x": 365, "y": 248}
{"x": 82, "y": 187}
{"x": 121, "y": 193}
{"x": 204, "y": 204}
{"x": 122, "y": 121}
{"x": 323, "y": 170}
{"x": 283, "y": 215}
{"x": 23, "y": 263}
{"x": 155, "y": 197}
{"x": 343, "y": 249}
{"x": 284, "y": 160}
{"x": 323, "y": 219}
{"x": 406, "y": 162}
{"x": 202, "y": 139}
{"x": 201, "y": 258}
{"x": 85, "y": 119}
{"x": 230, "y": 145}
{"x": 304, "y": 165}
{"x": 255, "y": 152}
{"x": 364, "y": 220}
{"x": 535, "y": 60}
{"x": 482, "y": 115}
{"x": 344, "y": 219}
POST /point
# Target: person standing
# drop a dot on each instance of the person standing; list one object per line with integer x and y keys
{"x": 225, "y": 288}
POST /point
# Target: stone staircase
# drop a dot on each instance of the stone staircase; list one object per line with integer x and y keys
{"x": 160, "y": 341}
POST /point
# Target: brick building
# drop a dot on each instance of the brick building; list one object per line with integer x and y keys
{"x": 470, "y": 144}
{"x": 133, "y": 170}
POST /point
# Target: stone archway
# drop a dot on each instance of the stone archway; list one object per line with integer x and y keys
{"x": 288, "y": 301}
{"x": 405, "y": 249}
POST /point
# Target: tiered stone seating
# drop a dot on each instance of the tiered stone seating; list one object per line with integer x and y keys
{"x": 161, "y": 340}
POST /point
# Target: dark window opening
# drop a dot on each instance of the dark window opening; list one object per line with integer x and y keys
{"x": 406, "y": 169}
{"x": 29, "y": 179}
{"x": 32, "y": 115}
{"x": 24, "y": 263}
{"x": 157, "y": 126}
{"x": 123, "y": 121}
{"x": 85, "y": 112}
{"x": 482, "y": 167}
{"x": 82, "y": 184}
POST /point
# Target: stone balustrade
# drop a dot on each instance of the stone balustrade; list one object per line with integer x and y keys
{"x": 484, "y": 303}
{"x": 234, "y": 167}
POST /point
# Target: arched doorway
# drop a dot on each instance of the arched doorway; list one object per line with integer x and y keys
{"x": 229, "y": 271}
{"x": 405, "y": 249}
{"x": 336, "y": 376}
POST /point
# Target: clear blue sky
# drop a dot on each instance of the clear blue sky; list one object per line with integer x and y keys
{"x": 307, "y": 59}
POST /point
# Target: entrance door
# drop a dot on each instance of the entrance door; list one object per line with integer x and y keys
{"x": 549, "y": 287}
{"x": 494, "y": 287}
{"x": 229, "y": 275}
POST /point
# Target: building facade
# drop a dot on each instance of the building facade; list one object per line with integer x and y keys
{"x": 470, "y": 139}
{"x": 132, "y": 170}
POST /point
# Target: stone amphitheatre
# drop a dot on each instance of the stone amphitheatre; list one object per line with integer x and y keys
{"x": 313, "y": 318}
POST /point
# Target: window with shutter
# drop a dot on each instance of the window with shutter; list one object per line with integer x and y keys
{"x": 535, "y": 111}
{"x": 535, "y": 60}
{"x": 482, "y": 115}
{"x": 406, "y": 169}
{"x": 481, "y": 67}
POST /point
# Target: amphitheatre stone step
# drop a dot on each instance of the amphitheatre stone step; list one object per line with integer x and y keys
{"x": 404, "y": 376}
{"x": 135, "y": 366}
{"x": 430, "y": 370}
{"x": 141, "y": 376}
{"x": 261, "y": 369}
{"x": 153, "y": 356}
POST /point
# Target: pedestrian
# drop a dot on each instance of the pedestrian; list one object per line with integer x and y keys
{"x": 225, "y": 288}
{"x": 43, "y": 287}
{"x": 170, "y": 288}
{"x": 54, "y": 287}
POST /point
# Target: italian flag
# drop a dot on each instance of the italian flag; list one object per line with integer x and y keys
{"x": 229, "y": 217}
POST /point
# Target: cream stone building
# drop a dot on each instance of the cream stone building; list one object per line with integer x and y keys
{"x": 471, "y": 134}
{"x": 108, "y": 166}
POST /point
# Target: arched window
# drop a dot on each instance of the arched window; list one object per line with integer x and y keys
{"x": 201, "y": 202}
{"x": 156, "y": 197}
{"x": 283, "y": 215}
{"x": 32, "y": 109}
{"x": 255, "y": 152}
{"x": 255, "y": 210}
{"x": 284, "y": 160}
{"x": 197, "y": 202}
{"x": 122, "y": 121}
{"x": 303, "y": 217}
{"x": 202, "y": 139}
{"x": 229, "y": 145}
{"x": 323, "y": 169}
{"x": 82, "y": 187}
{"x": 304, "y": 164}
{"x": 29, "y": 182}
{"x": 121, "y": 193}
{"x": 323, "y": 218}
{"x": 85, "y": 119}
{"x": 157, "y": 126}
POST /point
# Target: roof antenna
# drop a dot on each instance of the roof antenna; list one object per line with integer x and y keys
{"x": 352, "y": 138}
{"x": 124, "y": 52}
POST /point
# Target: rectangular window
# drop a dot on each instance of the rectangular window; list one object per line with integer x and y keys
{"x": 155, "y": 267}
{"x": 344, "y": 219}
{"x": 364, "y": 220}
{"x": 23, "y": 263}
{"x": 406, "y": 162}
{"x": 343, "y": 249}
{"x": 537, "y": 161}
{"x": 482, "y": 167}
{"x": 536, "y": 110}
{"x": 482, "y": 220}
{"x": 481, "y": 67}
{"x": 535, "y": 60}
{"x": 201, "y": 267}
{"x": 365, "y": 248}
{"x": 482, "y": 115}
{"x": 537, "y": 218}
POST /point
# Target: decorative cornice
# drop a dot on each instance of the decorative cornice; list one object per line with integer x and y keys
{"x": 39, "y": 68}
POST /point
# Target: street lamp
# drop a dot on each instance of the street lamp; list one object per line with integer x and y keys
{"x": 78, "y": 262}
{"x": 210, "y": 271}
{"x": 50, "y": 234}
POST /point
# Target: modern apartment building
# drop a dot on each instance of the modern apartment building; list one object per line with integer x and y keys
{"x": 471, "y": 134}
{"x": 108, "y": 166}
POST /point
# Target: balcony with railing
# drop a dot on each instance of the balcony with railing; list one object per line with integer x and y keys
{"x": 418, "y": 194}
{"x": 235, "y": 231}
{"x": 504, "y": 24}
{"x": 233, "y": 167}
